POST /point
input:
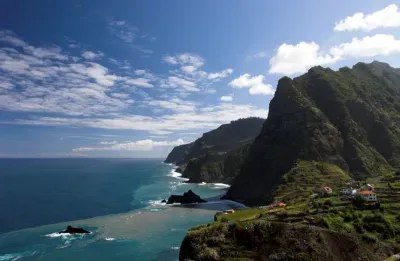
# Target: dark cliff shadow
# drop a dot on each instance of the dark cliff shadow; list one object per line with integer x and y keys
{"x": 217, "y": 205}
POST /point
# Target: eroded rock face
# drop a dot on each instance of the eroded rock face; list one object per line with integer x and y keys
{"x": 187, "y": 198}
{"x": 350, "y": 118}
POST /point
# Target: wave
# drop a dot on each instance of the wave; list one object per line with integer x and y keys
{"x": 176, "y": 175}
{"x": 56, "y": 234}
{"x": 109, "y": 238}
{"x": 175, "y": 248}
{"x": 16, "y": 256}
{"x": 214, "y": 185}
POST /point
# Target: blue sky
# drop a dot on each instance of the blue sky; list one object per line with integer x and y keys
{"x": 135, "y": 78}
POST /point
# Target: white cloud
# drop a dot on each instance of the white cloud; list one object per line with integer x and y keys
{"x": 141, "y": 82}
{"x": 52, "y": 82}
{"x": 174, "y": 104}
{"x": 170, "y": 60}
{"x": 100, "y": 74}
{"x": 108, "y": 142}
{"x": 188, "y": 69}
{"x": 387, "y": 17}
{"x": 78, "y": 93}
{"x": 185, "y": 59}
{"x": 223, "y": 74}
{"x": 127, "y": 33}
{"x": 89, "y": 55}
{"x": 140, "y": 145}
{"x": 262, "y": 89}
{"x": 257, "y": 56}
{"x": 227, "y": 98}
{"x": 211, "y": 91}
{"x": 256, "y": 84}
{"x": 291, "y": 59}
{"x": 301, "y": 57}
{"x": 175, "y": 82}
{"x": 369, "y": 46}
{"x": 123, "y": 30}
{"x": 120, "y": 95}
{"x": 140, "y": 72}
{"x": 206, "y": 117}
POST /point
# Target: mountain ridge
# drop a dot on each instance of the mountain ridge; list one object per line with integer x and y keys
{"x": 349, "y": 117}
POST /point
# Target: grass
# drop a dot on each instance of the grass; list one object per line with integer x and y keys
{"x": 308, "y": 177}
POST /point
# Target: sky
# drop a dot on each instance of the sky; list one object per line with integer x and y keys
{"x": 122, "y": 78}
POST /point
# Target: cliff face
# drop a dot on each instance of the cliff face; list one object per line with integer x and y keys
{"x": 204, "y": 160}
{"x": 349, "y": 118}
{"x": 216, "y": 167}
{"x": 225, "y": 138}
{"x": 178, "y": 153}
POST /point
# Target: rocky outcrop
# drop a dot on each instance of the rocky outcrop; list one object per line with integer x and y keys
{"x": 187, "y": 198}
{"x": 260, "y": 240}
{"x": 178, "y": 153}
{"x": 75, "y": 230}
{"x": 349, "y": 118}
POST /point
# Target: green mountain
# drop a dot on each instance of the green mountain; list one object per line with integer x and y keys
{"x": 178, "y": 153}
{"x": 218, "y": 154}
{"x": 348, "y": 118}
{"x": 324, "y": 128}
{"x": 216, "y": 167}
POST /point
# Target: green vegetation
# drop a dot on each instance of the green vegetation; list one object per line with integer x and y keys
{"x": 324, "y": 128}
{"x": 218, "y": 155}
{"x": 307, "y": 177}
{"x": 348, "y": 118}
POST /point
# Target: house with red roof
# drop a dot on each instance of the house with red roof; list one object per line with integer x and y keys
{"x": 368, "y": 195}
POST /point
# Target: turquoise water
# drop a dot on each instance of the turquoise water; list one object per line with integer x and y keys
{"x": 117, "y": 200}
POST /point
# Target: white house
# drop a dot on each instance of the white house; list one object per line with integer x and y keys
{"x": 346, "y": 191}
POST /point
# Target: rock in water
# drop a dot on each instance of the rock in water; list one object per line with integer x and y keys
{"x": 75, "y": 230}
{"x": 186, "y": 198}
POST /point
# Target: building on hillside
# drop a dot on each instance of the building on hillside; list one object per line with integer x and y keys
{"x": 348, "y": 191}
{"x": 326, "y": 191}
{"x": 368, "y": 195}
{"x": 369, "y": 187}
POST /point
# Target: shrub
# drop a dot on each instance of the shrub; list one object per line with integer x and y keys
{"x": 369, "y": 238}
{"x": 358, "y": 226}
{"x": 347, "y": 217}
{"x": 359, "y": 202}
{"x": 209, "y": 254}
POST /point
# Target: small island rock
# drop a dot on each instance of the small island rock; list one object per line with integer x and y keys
{"x": 75, "y": 230}
{"x": 186, "y": 198}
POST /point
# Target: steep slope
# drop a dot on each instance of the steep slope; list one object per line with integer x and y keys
{"x": 225, "y": 138}
{"x": 216, "y": 167}
{"x": 178, "y": 153}
{"x": 349, "y": 118}
{"x": 218, "y": 155}
{"x": 261, "y": 240}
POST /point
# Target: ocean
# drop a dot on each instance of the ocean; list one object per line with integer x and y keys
{"x": 118, "y": 200}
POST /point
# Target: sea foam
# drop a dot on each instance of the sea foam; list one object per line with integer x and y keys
{"x": 16, "y": 256}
